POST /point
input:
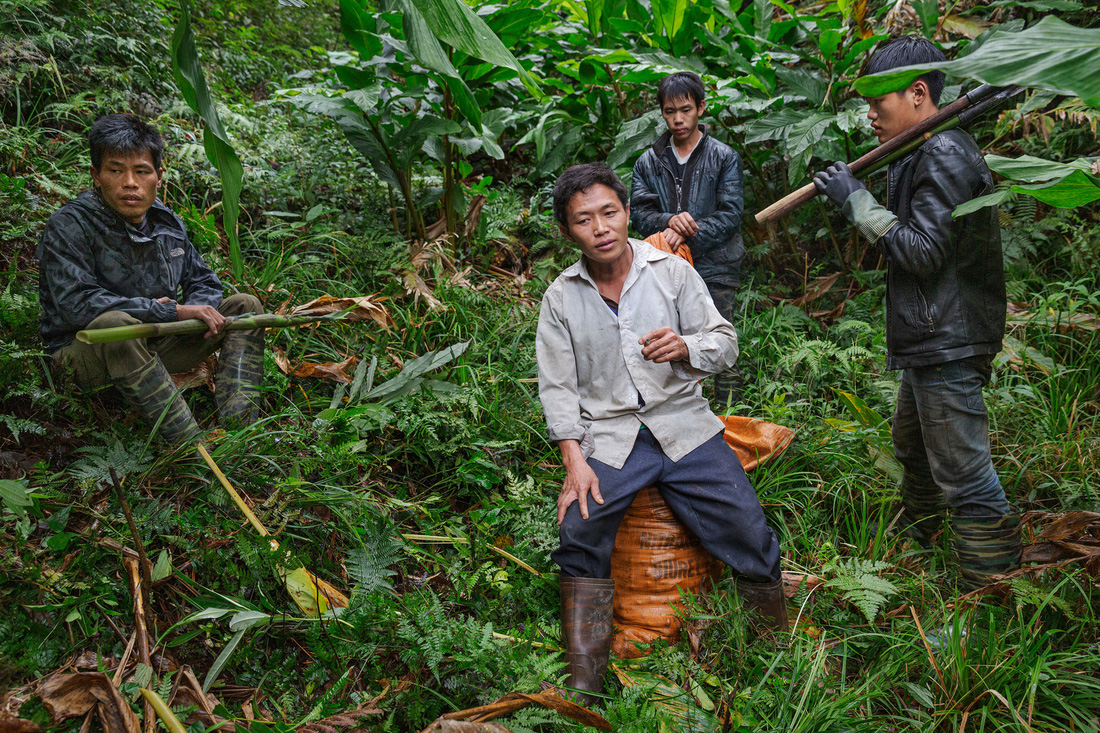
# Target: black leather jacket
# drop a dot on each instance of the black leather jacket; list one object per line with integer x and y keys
{"x": 715, "y": 199}
{"x": 945, "y": 292}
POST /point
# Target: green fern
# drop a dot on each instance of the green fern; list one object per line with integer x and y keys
{"x": 95, "y": 466}
{"x": 858, "y": 582}
{"x": 370, "y": 565}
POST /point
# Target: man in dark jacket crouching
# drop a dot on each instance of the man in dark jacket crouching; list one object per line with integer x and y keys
{"x": 115, "y": 256}
{"x": 945, "y": 305}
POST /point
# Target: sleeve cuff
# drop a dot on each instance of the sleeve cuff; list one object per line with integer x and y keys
{"x": 872, "y": 219}
{"x": 572, "y": 431}
{"x": 694, "y": 368}
{"x": 163, "y": 313}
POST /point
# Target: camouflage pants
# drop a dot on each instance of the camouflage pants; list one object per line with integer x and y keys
{"x": 727, "y": 384}
{"x": 95, "y": 365}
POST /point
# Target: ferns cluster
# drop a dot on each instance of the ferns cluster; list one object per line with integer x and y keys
{"x": 858, "y": 582}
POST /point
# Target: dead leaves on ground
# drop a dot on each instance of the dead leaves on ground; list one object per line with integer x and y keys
{"x": 549, "y": 698}
{"x": 359, "y": 308}
{"x": 71, "y": 695}
{"x": 336, "y": 371}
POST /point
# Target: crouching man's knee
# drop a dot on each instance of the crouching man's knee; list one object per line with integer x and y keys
{"x": 239, "y": 304}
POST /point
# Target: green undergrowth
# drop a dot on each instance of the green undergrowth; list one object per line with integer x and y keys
{"x": 435, "y": 509}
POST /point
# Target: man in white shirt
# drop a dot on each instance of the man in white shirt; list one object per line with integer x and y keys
{"x": 624, "y": 337}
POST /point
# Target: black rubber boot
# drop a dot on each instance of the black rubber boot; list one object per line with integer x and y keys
{"x": 151, "y": 390}
{"x": 586, "y": 611}
{"x": 765, "y": 603}
{"x": 986, "y": 546}
{"x": 240, "y": 373}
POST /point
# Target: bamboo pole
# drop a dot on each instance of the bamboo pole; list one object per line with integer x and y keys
{"x": 960, "y": 112}
{"x": 195, "y": 326}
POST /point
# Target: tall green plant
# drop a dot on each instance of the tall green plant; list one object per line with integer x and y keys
{"x": 219, "y": 150}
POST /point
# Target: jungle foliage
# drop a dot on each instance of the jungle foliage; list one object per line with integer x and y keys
{"x": 385, "y": 153}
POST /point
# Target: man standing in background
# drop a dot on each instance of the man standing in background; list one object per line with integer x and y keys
{"x": 688, "y": 187}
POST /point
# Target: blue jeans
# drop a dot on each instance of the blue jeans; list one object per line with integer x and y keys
{"x": 941, "y": 438}
{"x": 707, "y": 490}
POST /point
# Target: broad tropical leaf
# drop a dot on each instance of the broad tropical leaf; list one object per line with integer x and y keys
{"x": 1050, "y": 55}
{"x": 1061, "y": 185}
{"x": 219, "y": 150}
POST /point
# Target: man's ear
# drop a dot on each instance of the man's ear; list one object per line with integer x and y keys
{"x": 919, "y": 93}
{"x": 565, "y": 232}
{"x": 702, "y": 107}
{"x": 95, "y": 176}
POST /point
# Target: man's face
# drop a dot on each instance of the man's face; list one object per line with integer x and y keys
{"x": 896, "y": 112}
{"x": 128, "y": 183}
{"x": 597, "y": 222}
{"x": 682, "y": 117}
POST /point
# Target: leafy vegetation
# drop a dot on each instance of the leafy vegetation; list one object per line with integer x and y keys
{"x": 386, "y": 156}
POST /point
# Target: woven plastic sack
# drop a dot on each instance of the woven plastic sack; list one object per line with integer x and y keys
{"x": 655, "y": 557}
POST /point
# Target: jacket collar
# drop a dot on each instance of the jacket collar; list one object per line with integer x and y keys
{"x": 663, "y": 141}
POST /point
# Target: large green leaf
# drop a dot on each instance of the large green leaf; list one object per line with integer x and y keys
{"x": 1061, "y": 185}
{"x": 669, "y": 15}
{"x": 219, "y": 150}
{"x": 1050, "y": 55}
{"x": 424, "y": 45}
{"x": 633, "y": 135}
{"x": 456, "y": 24}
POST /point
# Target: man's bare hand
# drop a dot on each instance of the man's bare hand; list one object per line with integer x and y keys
{"x": 165, "y": 299}
{"x": 663, "y": 344}
{"x": 208, "y": 314}
{"x": 580, "y": 480}
{"x": 672, "y": 238}
{"x": 683, "y": 224}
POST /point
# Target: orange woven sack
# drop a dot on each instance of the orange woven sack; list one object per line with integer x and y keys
{"x": 655, "y": 557}
{"x": 658, "y": 241}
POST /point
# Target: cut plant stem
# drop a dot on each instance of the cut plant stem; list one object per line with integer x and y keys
{"x": 195, "y": 326}
{"x": 439, "y": 540}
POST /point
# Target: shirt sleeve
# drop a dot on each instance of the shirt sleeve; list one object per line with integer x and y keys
{"x": 67, "y": 270}
{"x": 557, "y": 367}
{"x": 711, "y": 339}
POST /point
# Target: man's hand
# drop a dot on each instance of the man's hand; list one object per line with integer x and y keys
{"x": 672, "y": 238}
{"x": 663, "y": 344}
{"x": 208, "y": 314}
{"x": 580, "y": 479}
{"x": 683, "y": 224}
{"x": 837, "y": 182}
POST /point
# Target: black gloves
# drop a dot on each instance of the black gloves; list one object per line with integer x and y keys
{"x": 838, "y": 183}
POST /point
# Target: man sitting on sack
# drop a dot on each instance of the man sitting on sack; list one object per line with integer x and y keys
{"x": 624, "y": 337}
{"x": 116, "y": 256}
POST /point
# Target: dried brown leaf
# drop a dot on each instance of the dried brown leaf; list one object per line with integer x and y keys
{"x": 443, "y": 725}
{"x": 11, "y": 724}
{"x": 336, "y": 371}
{"x": 71, "y": 695}
{"x": 816, "y": 289}
{"x": 1068, "y": 526}
{"x": 514, "y": 701}
{"x": 349, "y": 720}
{"x": 202, "y": 373}
{"x": 416, "y": 287}
{"x": 363, "y": 308}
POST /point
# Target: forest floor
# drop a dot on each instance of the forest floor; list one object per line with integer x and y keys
{"x": 432, "y": 503}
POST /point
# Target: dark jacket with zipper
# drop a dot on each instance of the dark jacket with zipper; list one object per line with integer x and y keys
{"x": 91, "y": 261}
{"x": 711, "y": 191}
{"x": 945, "y": 292}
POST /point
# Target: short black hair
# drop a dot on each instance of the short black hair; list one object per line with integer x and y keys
{"x": 126, "y": 134}
{"x": 578, "y": 179}
{"x": 681, "y": 85}
{"x": 908, "y": 51}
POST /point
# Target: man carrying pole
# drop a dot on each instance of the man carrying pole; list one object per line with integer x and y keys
{"x": 117, "y": 256}
{"x": 945, "y": 305}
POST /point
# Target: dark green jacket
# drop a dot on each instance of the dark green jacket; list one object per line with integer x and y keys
{"x": 92, "y": 261}
{"x": 714, "y": 197}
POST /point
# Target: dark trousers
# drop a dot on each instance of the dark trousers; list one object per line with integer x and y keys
{"x": 708, "y": 492}
{"x": 941, "y": 438}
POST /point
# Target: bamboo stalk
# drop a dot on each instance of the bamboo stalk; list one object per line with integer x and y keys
{"x": 195, "y": 326}
{"x": 961, "y": 111}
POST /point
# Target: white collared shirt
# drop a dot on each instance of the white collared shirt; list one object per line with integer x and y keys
{"x": 591, "y": 369}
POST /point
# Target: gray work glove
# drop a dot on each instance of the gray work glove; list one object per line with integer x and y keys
{"x": 838, "y": 183}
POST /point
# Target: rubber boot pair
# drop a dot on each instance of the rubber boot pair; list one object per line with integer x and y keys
{"x": 240, "y": 373}
{"x": 765, "y": 604}
{"x": 150, "y": 388}
{"x": 986, "y": 546}
{"x": 586, "y": 613}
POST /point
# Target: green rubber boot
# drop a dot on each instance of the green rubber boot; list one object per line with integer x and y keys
{"x": 151, "y": 390}
{"x": 986, "y": 546}
{"x": 240, "y": 372}
{"x": 922, "y": 513}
